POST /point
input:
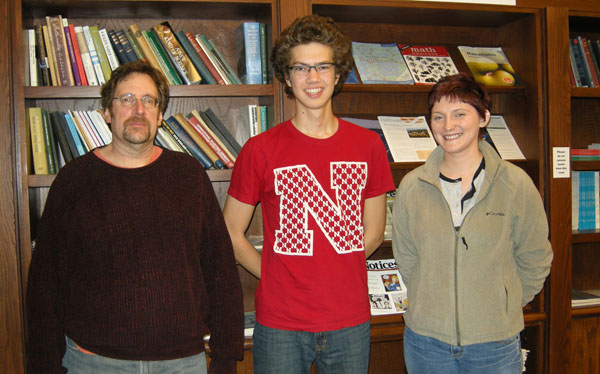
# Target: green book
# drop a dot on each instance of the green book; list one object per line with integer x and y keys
{"x": 106, "y": 70}
{"x": 221, "y": 60}
{"x": 50, "y": 143}
{"x": 161, "y": 55}
{"x": 191, "y": 52}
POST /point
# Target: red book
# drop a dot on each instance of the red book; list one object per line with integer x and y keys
{"x": 210, "y": 141}
{"x": 585, "y": 152}
{"x": 77, "y": 53}
{"x": 211, "y": 68}
{"x": 590, "y": 62}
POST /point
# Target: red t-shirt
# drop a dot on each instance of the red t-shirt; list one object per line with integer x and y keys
{"x": 312, "y": 193}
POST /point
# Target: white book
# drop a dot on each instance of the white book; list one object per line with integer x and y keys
{"x": 88, "y": 67}
{"x": 113, "y": 61}
{"x": 90, "y": 132}
{"x": 32, "y": 61}
{"x": 100, "y": 124}
{"x": 216, "y": 63}
{"x": 93, "y": 55}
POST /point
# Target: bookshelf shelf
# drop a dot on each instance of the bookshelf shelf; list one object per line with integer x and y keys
{"x": 583, "y": 92}
{"x": 585, "y": 312}
{"x": 411, "y": 88}
{"x": 246, "y": 90}
{"x": 585, "y": 165}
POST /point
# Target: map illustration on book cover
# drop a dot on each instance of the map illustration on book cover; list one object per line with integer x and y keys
{"x": 428, "y": 63}
{"x": 489, "y": 66}
{"x": 380, "y": 64}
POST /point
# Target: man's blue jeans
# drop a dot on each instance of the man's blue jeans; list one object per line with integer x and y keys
{"x": 423, "y": 354}
{"x": 344, "y": 351}
{"x": 78, "y": 362}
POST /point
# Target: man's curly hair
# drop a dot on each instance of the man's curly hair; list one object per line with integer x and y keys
{"x": 308, "y": 29}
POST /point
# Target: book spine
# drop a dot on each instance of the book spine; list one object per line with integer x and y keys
{"x": 589, "y": 62}
{"x": 117, "y": 47}
{"x": 38, "y": 146}
{"x": 203, "y": 43}
{"x": 233, "y": 78}
{"x": 100, "y": 51}
{"x": 57, "y": 34}
{"x": 111, "y": 56}
{"x": 42, "y": 57}
{"x": 249, "y": 64}
{"x": 595, "y": 52}
{"x": 216, "y": 77}
{"x": 78, "y": 59}
{"x": 86, "y": 60}
{"x": 50, "y": 144}
{"x": 51, "y": 59}
{"x": 64, "y": 142}
{"x": 223, "y": 130}
{"x": 88, "y": 133}
{"x": 71, "y": 53}
{"x": 144, "y": 46}
{"x": 217, "y": 162}
{"x": 574, "y": 68}
{"x": 161, "y": 56}
{"x": 210, "y": 141}
{"x": 175, "y": 138}
{"x": 31, "y": 61}
{"x": 220, "y": 139}
{"x": 167, "y": 141}
{"x": 97, "y": 119}
{"x": 135, "y": 46}
{"x": 580, "y": 62}
{"x": 264, "y": 59}
{"x": 182, "y": 62}
{"x": 195, "y": 58}
{"x": 76, "y": 135}
{"x": 189, "y": 143}
{"x": 127, "y": 47}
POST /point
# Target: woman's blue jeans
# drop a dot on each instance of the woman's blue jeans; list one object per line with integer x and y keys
{"x": 344, "y": 351}
{"x": 423, "y": 354}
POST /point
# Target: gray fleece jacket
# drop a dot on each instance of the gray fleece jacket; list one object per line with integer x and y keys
{"x": 469, "y": 286}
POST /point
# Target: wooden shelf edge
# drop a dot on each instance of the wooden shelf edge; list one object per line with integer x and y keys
{"x": 34, "y": 181}
{"x": 585, "y": 311}
{"x": 585, "y": 165}
{"x": 203, "y": 90}
{"x": 415, "y": 88}
{"x": 585, "y": 236}
{"x": 585, "y": 92}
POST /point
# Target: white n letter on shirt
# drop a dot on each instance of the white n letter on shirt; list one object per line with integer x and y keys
{"x": 301, "y": 193}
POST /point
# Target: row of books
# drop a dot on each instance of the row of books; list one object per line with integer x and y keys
{"x": 583, "y": 298}
{"x": 202, "y": 135}
{"x": 61, "y": 54}
{"x": 58, "y": 137}
{"x": 584, "y": 55}
{"x": 585, "y": 203}
{"x": 592, "y": 153}
{"x": 409, "y": 139}
{"x": 426, "y": 64}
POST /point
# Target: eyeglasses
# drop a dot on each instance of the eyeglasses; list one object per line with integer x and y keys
{"x": 303, "y": 70}
{"x": 129, "y": 100}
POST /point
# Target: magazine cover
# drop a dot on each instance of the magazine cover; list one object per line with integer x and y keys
{"x": 380, "y": 64}
{"x": 387, "y": 292}
{"x": 489, "y": 66}
{"x": 428, "y": 63}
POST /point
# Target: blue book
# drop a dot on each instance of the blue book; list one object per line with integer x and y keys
{"x": 189, "y": 143}
{"x": 588, "y": 199}
{"x": 81, "y": 146}
{"x": 249, "y": 63}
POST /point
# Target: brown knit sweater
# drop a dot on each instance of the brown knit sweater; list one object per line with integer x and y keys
{"x": 133, "y": 264}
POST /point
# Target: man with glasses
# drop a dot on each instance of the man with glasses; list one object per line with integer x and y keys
{"x": 321, "y": 183}
{"x": 133, "y": 264}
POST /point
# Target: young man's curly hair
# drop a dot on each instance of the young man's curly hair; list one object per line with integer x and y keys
{"x": 308, "y": 29}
